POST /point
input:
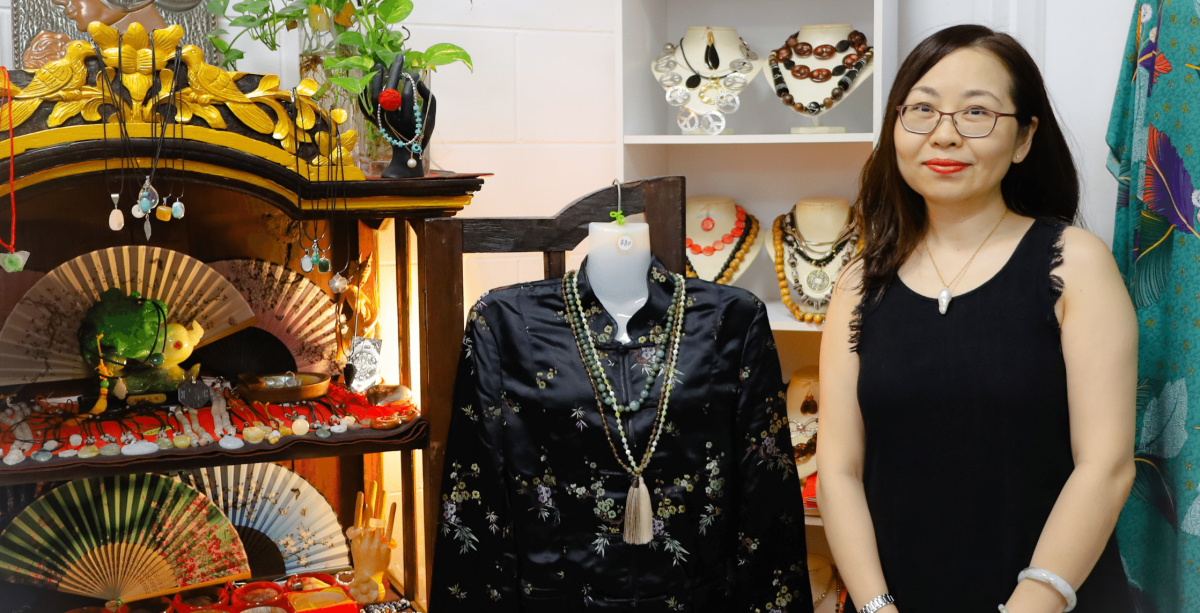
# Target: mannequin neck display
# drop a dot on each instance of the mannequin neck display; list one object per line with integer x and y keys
{"x": 822, "y": 223}
{"x": 807, "y": 90}
{"x": 691, "y": 51}
{"x": 722, "y": 213}
{"x": 822, "y": 220}
{"x": 618, "y": 265}
{"x": 802, "y": 420}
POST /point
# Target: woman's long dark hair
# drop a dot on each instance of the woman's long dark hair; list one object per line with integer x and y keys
{"x": 1045, "y": 185}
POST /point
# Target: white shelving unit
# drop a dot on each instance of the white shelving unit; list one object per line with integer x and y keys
{"x": 762, "y": 164}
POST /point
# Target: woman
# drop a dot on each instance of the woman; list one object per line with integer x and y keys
{"x": 978, "y": 365}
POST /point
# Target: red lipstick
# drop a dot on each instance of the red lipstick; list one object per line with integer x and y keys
{"x": 946, "y": 167}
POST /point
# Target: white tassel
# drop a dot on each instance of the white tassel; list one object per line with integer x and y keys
{"x": 639, "y": 514}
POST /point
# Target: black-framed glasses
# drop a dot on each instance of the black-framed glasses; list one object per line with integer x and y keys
{"x": 970, "y": 123}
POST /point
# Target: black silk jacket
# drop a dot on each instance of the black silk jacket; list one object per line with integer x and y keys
{"x": 533, "y": 498}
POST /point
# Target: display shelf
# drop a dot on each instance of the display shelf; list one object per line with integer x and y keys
{"x": 781, "y": 319}
{"x": 748, "y": 139}
{"x": 813, "y": 520}
{"x": 414, "y": 435}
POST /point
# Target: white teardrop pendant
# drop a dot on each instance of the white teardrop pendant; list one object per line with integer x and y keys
{"x": 944, "y": 300}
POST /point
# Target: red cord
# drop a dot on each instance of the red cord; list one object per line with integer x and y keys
{"x": 12, "y": 193}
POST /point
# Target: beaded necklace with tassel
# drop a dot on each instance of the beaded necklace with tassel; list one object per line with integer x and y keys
{"x": 639, "y": 512}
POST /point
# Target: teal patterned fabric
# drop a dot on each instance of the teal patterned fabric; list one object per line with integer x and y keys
{"x": 1154, "y": 140}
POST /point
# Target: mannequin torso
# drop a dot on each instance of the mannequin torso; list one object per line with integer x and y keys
{"x": 722, "y": 211}
{"x": 691, "y": 51}
{"x": 618, "y": 259}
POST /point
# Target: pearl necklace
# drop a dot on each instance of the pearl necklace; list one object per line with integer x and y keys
{"x": 638, "y": 511}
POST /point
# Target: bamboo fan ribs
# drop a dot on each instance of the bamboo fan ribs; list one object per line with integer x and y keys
{"x": 287, "y": 526}
{"x": 122, "y": 538}
{"x": 38, "y": 341}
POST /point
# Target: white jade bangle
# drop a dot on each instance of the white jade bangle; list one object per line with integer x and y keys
{"x": 1003, "y": 609}
{"x": 1054, "y": 581}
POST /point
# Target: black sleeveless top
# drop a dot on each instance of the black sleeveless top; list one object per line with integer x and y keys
{"x": 967, "y": 435}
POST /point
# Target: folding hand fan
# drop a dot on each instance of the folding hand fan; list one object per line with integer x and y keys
{"x": 286, "y": 525}
{"x": 38, "y": 341}
{"x": 122, "y": 538}
{"x": 291, "y": 307}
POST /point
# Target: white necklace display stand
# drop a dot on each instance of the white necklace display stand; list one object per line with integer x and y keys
{"x": 723, "y": 211}
{"x": 805, "y": 89}
{"x": 618, "y": 264}
{"x": 729, "y": 47}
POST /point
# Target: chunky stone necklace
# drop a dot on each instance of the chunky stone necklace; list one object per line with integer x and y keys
{"x": 744, "y": 242}
{"x": 639, "y": 512}
{"x": 860, "y": 54}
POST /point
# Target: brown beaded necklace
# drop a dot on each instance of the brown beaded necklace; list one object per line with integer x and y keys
{"x": 853, "y": 63}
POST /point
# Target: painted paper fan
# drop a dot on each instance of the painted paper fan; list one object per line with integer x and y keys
{"x": 122, "y": 538}
{"x": 286, "y": 525}
{"x": 38, "y": 341}
{"x": 291, "y": 307}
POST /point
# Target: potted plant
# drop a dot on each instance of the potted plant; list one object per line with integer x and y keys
{"x": 345, "y": 45}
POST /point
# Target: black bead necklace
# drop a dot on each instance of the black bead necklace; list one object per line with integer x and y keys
{"x": 694, "y": 81}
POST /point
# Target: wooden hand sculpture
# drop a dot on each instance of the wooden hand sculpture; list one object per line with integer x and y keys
{"x": 371, "y": 546}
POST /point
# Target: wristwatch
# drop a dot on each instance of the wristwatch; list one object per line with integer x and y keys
{"x": 877, "y": 603}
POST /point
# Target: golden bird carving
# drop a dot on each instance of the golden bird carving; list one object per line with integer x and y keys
{"x": 213, "y": 85}
{"x": 56, "y": 81}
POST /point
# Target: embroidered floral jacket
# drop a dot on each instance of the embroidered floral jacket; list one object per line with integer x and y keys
{"x": 533, "y": 498}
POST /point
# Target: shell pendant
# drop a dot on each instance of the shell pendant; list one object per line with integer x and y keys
{"x": 944, "y": 300}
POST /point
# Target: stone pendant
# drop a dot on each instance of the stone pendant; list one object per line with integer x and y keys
{"x": 944, "y": 300}
{"x": 306, "y": 263}
{"x": 147, "y": 228}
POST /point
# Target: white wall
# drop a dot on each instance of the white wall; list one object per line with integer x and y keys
{"x": 539, "y": 110}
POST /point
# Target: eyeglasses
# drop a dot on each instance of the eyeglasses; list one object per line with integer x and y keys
{"x": 970, "y": 123}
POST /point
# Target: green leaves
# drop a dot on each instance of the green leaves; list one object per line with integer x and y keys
{"x": 352, "y": 85}
{"x": 395, "y": 11}
{"x": 445, "y": 53}
{"x": 362, "y": 35}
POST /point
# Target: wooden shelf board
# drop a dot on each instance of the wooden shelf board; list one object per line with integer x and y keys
{"x": 813, "y": 520}
{"x": 748, "y": 139}
{"x": 414, "y": 437}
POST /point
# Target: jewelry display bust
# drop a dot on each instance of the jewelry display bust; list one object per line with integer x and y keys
{"x": 618, "y": 264}
{"x": 811, "y": 243}
{"x": 719, "y": 249}
{"x": 704, "y": 75}
{"x": 811, "y": 73}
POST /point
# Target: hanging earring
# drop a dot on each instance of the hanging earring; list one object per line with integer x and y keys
{"x": 809, "y": 406}
{"x": 711, "y": 59}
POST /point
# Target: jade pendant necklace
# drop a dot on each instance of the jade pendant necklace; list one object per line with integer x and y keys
{"x": 639, "y": 512}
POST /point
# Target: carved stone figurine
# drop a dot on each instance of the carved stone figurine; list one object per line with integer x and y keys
{"x": 371, "y": 545}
